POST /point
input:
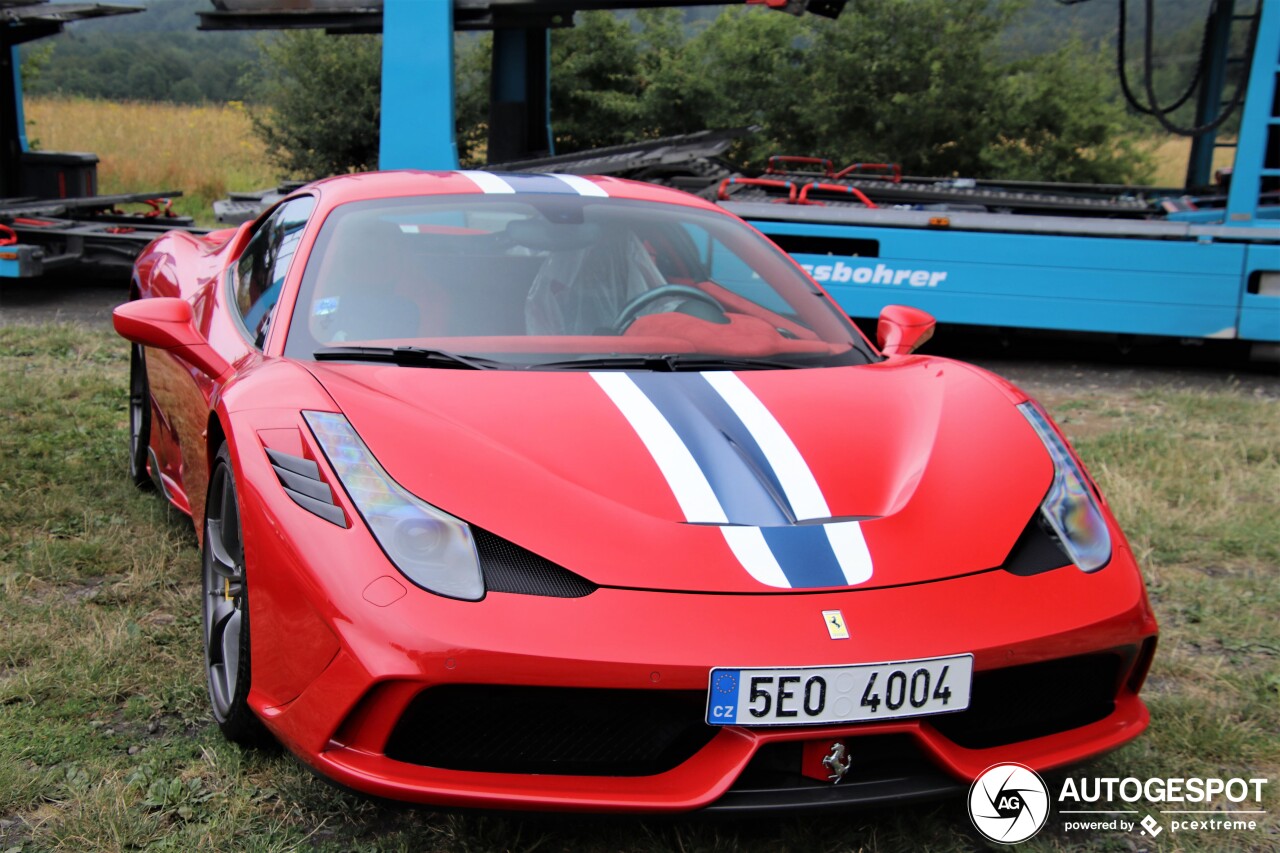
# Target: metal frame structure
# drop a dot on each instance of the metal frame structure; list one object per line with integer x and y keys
{"x": 51, "y": 216}
{"x": 1199, "y": 263}
{"x": 417, "y": 57}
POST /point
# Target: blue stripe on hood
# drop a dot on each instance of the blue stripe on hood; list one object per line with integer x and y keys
{"x": 742, "y": 477}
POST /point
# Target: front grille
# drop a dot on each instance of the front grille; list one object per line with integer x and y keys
{"x": 872, "y": 758}
{"x": 509, "y": 568}
{"x": 884, "y": 770}
{"x": 1023, "y": 702}
{"x": 552, "y": 730}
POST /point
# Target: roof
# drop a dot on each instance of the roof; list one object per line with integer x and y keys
{"x": 412, "y": 182}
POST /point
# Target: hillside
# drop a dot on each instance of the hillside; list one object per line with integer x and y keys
{"x": 1044, "y": 25}
{"x": 155, "y": 55}
{"x": 160, "y": 55}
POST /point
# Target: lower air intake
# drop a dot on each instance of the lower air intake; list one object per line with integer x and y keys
{"x": 552, "y": 730}
{"x": 1023, "y": 702}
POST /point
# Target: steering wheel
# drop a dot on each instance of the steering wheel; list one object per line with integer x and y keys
{"x": 632, "y": 309}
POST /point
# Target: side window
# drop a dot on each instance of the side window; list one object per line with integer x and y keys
{"x": 261, "y": 270}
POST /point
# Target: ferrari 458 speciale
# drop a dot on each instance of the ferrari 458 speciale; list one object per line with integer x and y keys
{"x": 544, "y": 491}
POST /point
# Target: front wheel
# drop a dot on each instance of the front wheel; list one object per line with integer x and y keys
{"x": 225, "y": 609}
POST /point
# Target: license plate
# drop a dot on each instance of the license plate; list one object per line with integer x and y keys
{"x": 820, "y": 695}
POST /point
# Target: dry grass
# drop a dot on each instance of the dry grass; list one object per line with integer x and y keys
{"x": 1170, "y": 155}
{"x": 207, "y": 151}
{"x": 204, "y": 151}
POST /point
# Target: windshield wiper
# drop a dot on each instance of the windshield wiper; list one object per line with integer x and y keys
{"x": 407, "y": 357}
{"x": 669, "y": 363}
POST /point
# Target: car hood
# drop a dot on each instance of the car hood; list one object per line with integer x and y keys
{"x": 902, "y": 472}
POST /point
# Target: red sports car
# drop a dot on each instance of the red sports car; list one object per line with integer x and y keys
{"x": 542, "y": 491}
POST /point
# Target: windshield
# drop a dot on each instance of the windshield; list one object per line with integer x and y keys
{"x": 554, "y": 280}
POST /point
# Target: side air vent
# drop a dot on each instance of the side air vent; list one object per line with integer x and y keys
{"x": 301, "y": 481}
{"x": 509, "y": 568}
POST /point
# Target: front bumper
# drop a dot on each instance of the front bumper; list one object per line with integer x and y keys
{"x": 343, "y": 646}
{"x": 739, "y": 770}
{"x": 342, "y": 721}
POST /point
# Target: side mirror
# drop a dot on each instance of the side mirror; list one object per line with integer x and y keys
{"x": 902, "y": 330}
{"x": 166, "y": 323}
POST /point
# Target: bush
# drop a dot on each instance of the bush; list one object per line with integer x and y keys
{"x": 916, "y": 82}
{"x": 920, "y": 83}
{"x": 320, "y": 102}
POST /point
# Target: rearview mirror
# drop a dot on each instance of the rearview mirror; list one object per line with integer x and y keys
{"x": 166, "y": 323}
{"x": 902, "y": 329}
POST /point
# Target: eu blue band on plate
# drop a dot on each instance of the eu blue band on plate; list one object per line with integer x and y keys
{"x": 725, "y": 687}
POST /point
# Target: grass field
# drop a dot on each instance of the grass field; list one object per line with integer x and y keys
{"x": 1170, "y": 155}
{"x": 106, "y": 743}
{"x": 204, "y": 151}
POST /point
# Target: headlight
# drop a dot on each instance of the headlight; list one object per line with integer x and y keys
{"x": 429, "y": 547}
{"x": 1069, "y": 507}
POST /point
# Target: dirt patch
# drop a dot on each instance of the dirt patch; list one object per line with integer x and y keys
{"x": 1050, "y": 376}
{"x": 14, "y": 832}
{"x": 61, "y": 300}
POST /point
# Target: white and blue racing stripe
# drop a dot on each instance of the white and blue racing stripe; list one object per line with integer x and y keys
{"x": 582, "y": 186}
{"x": 798, "y": 482}
{"x": 726, "y": 452}
{"x": 697, "y": 499}
{"x": 488, "y": 182}
{"x": 729, "y": 463}
{"x": 688, "y": 484}
{"x": 534, "y": 182}
{"x": 799, "y": 485}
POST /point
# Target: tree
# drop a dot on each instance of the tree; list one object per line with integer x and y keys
{"x": 320, "y": 102}
{"x": 317, "y": 100}
{"x": 1062, "y": 121}
{"x": 917, "y": 82}
{"x": 173, "y": 66}
{"x": 595, "y": 84}
{"x": 922, "y": 83}
{"x": 744, "y": 69}
{"x": 909, "y": 81}
{"x": 471, "y": 96}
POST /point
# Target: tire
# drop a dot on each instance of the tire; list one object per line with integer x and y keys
{"x": 139, "y": 418}
{"x": 225, "y": 610}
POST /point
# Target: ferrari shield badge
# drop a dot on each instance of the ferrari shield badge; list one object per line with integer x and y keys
{"x": 835, "y": 624}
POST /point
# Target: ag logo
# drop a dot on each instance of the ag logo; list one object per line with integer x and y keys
{"x": 1008, "y": 803}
